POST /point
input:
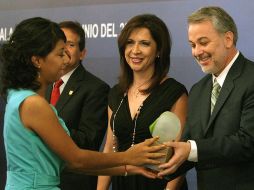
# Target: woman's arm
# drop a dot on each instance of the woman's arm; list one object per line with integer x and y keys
{"x": 37, "y": 115}
{"x": 104, "y": 181}
{"x": 124, "y": 171}
{"x": 180, "y": 109}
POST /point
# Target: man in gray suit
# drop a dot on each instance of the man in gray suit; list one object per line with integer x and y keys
{"x": 82, "y": 104}
{"x": 220, "y": 124}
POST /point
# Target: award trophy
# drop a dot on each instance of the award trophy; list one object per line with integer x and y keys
{"x": 167, "y": 126}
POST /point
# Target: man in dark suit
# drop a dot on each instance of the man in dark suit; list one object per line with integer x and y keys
{"x": 82, "y": 104}
{"x": 220, "y": 125}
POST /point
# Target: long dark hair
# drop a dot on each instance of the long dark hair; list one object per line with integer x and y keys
{"x": 31, "y": 37}
{"x": 161, "y": 36}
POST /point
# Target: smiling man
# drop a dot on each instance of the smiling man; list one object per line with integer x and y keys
{"x": 218, "y": 137}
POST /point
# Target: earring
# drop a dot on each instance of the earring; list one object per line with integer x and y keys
{"x": 39, "y": 74}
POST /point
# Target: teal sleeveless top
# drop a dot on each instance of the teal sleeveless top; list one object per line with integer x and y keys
{"x": 30, "y": 162}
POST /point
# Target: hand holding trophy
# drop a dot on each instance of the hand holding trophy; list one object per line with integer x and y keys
{"x": 167, "y": 126}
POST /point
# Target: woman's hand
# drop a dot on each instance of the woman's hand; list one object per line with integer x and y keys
{"x": 144, "y": 153}
{"x": 134, "y": 170}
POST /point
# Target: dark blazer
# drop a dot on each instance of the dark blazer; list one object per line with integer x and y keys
{"x": 83, "y": 107}
{"x": 225, "y": 139}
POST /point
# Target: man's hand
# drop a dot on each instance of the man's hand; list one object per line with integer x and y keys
{"x": 144, "y": 153}
{"x": 181, "y": 153}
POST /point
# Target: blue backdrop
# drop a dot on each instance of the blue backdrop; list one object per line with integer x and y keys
{"x": 103, "y": 22}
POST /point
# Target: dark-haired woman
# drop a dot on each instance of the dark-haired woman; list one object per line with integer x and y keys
{"x": 36, "y": 141}
{"x": 144, "y": 92}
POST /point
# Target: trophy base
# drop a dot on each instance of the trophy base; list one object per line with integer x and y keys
{"x": 168, "y": 151}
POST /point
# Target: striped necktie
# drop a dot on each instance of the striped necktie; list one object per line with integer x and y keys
{"x": 215, "y": 94}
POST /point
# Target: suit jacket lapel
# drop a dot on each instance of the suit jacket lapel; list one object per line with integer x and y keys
{"x": 224, "y": 93}
{"x": 204, "y": 101}
{"x": 70, "y": 88}
{"x": 227, "y": 88}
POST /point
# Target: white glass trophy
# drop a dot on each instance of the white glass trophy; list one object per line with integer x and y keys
{"x": 167, "y": 126}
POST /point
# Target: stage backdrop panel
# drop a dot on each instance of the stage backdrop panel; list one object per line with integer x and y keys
{"x": 103, "y": 21}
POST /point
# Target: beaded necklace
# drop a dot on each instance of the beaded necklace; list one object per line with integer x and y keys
{"x": 115, "y": 141}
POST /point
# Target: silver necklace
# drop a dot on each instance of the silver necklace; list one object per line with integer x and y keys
{"x": 135, "y": 125}
{"x": 115, "y": 140}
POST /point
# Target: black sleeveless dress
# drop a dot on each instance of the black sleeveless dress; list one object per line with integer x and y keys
{"x": 161, "y": 99}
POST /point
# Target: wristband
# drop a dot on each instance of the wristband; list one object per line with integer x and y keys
{"x": 125, "y": 171}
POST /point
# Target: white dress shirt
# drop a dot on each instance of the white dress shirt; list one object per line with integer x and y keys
{"x": 65, "y": 79}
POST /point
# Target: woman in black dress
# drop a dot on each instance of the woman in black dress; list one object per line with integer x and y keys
{"x": 144, "y": 92}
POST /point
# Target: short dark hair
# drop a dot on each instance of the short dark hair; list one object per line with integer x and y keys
{"x": 32, "y": 37}
{"x": 161, "y": 36}
{"x": 76, "y": 28}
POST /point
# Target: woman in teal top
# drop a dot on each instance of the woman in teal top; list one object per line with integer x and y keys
{"x": 26, "y": 151}
{"x": 36, "y": 141}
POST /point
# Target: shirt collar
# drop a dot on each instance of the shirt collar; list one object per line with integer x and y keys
{"x": 66, "y": 77}
{"x": 221, "y": 78}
